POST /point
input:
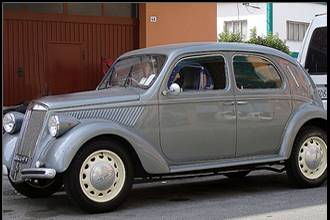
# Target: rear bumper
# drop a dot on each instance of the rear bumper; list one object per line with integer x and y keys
{"x": 325, "y": 104}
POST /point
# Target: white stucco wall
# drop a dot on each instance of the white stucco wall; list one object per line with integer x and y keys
{"x": 303, "y": 12}
{"x": 237, "y": 11}
{"x": 282, "y": 12}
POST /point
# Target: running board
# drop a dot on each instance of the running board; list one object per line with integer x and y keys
{"x": 227, "y": 163}
{"x": 158, "y": 178}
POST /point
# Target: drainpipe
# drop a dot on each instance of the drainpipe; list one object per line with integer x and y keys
{"x": 269, "y": 18}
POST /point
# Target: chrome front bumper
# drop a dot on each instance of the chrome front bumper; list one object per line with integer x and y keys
{"x": 33, "y": 173}
{"x": 4, "y": 170}
{"x": 38, "y": 173}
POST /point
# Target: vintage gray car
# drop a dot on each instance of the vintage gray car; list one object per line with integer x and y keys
{"x": 170, "y": 111}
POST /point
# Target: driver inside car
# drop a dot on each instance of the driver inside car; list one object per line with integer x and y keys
{"x": 192, "y": 77}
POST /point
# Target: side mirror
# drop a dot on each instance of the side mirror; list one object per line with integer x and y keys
{"x": 174, "y": 89}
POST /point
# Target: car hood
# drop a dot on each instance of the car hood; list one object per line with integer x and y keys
{"x": 95, "y": 97}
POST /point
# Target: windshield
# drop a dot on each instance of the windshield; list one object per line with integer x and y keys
{"x": 138, "y": 71}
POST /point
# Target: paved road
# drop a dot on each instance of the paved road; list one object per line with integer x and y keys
{"x": 261, "y": 195}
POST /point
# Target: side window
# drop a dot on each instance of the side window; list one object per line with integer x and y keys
{"x": 253, "y": 72}
{"x": 299, "y": 78}
{"x": 199, "y": 73}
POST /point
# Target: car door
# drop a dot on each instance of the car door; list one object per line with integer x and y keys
{"x": 263, "y": 104}
{"x": 200, "y": 123}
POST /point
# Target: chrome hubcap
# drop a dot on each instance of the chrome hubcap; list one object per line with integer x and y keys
{"x": 102, "y": 176}
{"x": 312, "y": 158}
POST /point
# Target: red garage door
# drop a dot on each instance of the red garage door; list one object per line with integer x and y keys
{"x": 64, "y": 71}
{"x": 58, "y": 53}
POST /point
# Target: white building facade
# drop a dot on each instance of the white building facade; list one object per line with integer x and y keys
{"x": 290, "y": 20}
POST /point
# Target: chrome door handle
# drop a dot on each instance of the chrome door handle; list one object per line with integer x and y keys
{"x": 229, "y": 103}
{"x": 242, "y": 103}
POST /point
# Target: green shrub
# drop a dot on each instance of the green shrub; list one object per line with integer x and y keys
{"x": 230, "y": 37}
{"x": 270, "y": 40}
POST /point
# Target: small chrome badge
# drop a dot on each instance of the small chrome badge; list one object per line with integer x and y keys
{"x": 21, "y": 158}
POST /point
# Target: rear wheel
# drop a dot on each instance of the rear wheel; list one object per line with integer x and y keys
{"x": 307, "y": 165}
{"x": 38, "y": 188}
{"x": 100, "y": 176}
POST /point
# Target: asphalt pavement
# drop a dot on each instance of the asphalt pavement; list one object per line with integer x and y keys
{"x": 260, "y": 195}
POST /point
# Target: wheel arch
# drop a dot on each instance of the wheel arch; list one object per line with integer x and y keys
{"x": 138, "y": 168}
{"x": 61, "y": 151}
{"x": 305, "y": 115}
{"x": 317, "y": 122}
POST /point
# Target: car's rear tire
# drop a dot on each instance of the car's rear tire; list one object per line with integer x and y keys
{"x": 38, "y": 188}
{"x": 237, "y": 175}
{"x": 307, "y": 165}
{"x": 100, "y": 176}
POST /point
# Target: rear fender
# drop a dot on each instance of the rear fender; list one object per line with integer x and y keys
{"x": 300, "y": 116}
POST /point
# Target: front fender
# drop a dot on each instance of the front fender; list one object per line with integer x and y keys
{"x": 299, "y": 117}
{"x": 60, "y": 151}
{"x": 8, "y": 148}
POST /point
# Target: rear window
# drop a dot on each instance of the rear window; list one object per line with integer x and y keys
{"x": 316, "y": 59}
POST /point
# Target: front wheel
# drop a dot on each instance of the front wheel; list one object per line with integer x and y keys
{"x": 307, "y": 165}
{"x": 100, "y": 176}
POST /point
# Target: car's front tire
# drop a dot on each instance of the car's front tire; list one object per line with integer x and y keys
{"x": 38, "y": 188}
{"x": 307, "y": 165}
{"x": 100, "y": 176}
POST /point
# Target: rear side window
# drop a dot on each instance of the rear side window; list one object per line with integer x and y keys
{"x": 316, "y": 59}
{"x": 299, "y": 80}
{"x": 300, "y": 76}
{"x": 254, "y": 72}
{"x": 199, "y": 73}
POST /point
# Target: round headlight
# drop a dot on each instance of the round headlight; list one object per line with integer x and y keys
{"x": 9, "y": 122}
{"x": 53, "y": 125}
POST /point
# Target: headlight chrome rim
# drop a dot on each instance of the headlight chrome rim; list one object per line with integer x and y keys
{"x": 58, "y": 124}
{"x": 54, "y": 125}
{"x": 9, "y": 122}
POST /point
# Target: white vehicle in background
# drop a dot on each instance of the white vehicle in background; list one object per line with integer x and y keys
{"x": 313, "y": 54}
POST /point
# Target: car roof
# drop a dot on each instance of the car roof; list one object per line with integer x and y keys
{"x": 322, "y": 15}
{"x": 320, "y": 20}
{"x": 181, "y": 48}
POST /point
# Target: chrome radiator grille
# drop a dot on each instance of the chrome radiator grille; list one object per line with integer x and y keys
{"x": 25, "y": 147}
